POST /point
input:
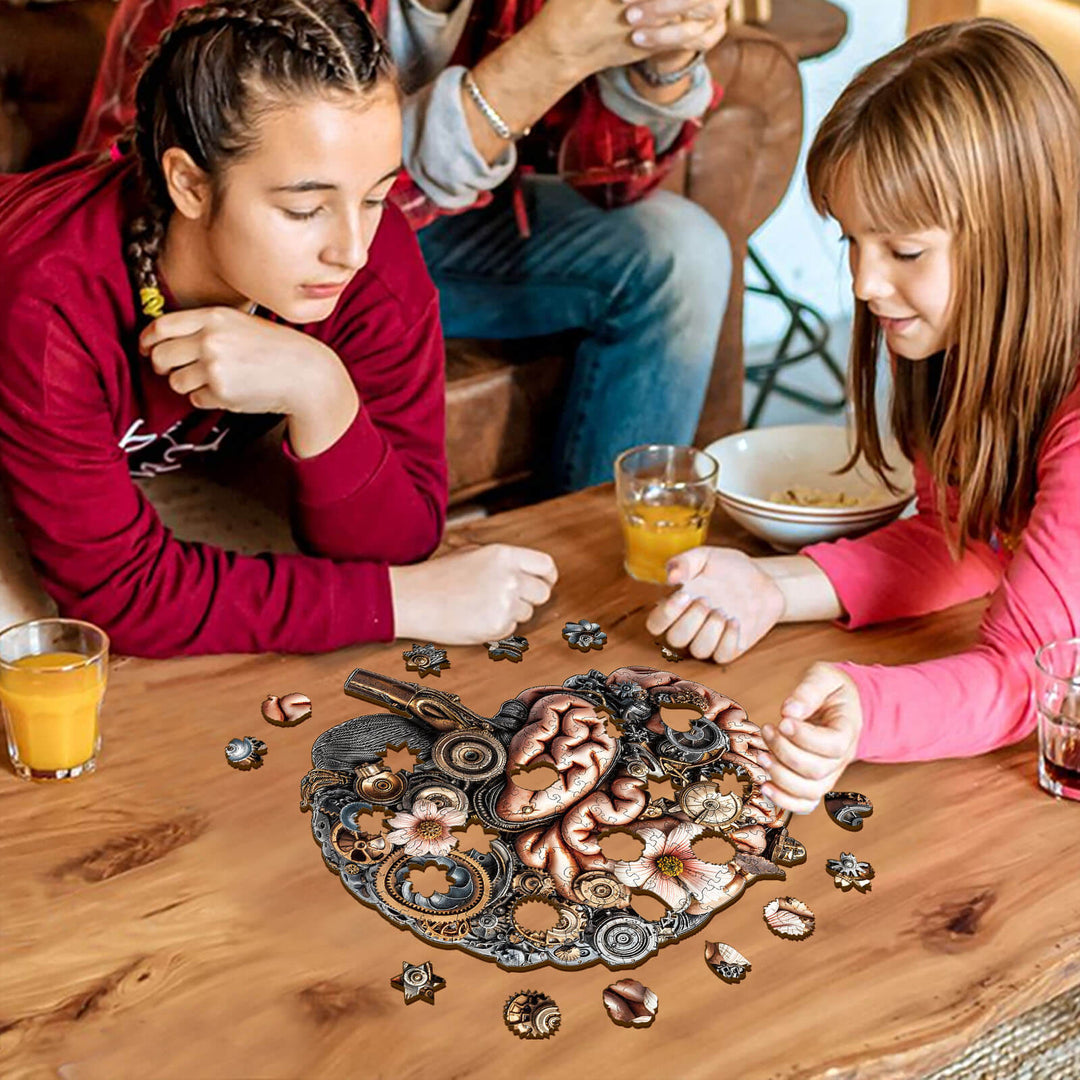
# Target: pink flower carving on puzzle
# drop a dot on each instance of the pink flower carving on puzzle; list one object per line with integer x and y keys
{"x": 669, "y": 869}
{"x": 425, "y": 831}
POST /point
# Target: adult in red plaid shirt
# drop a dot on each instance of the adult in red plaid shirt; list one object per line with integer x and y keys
{"x": 564, "y": 229}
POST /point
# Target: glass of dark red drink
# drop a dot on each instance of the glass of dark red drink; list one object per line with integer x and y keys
{"x": 1057, "y": 698}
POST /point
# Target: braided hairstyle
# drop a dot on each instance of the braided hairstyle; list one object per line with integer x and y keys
{"x": 201, "y": 89}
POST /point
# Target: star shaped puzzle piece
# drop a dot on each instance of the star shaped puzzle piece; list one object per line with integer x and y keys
{"x": 428, "y": 659}
{"x": 417, "y": 981}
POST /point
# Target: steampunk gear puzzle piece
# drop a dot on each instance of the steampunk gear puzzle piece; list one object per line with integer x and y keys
{"x": 606, "y": 738}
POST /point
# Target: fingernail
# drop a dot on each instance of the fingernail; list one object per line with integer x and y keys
{"x": 787, "y": 726}
{"x": 638, "y": 37}
{"x": 767, "y": 731}
{"x": 633, "y": 15}
{"x": 764, "y": 758}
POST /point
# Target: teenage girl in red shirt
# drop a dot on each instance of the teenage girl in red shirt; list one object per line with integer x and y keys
{"x": 240, "y": 266}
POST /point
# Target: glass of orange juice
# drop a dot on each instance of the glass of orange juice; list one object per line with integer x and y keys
{"x": 666, "y": 495}
{"x": 52, "y": 681}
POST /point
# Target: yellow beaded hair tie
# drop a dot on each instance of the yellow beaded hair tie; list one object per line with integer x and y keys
{"x": 152, "y": 300}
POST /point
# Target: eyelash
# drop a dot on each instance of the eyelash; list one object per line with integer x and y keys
{"x": 903, "y": 256}
{"x": 299, "y": 215}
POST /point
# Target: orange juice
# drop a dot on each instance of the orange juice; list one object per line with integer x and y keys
{"x": 52, "y": 714}
{"x": 654, "y": 534}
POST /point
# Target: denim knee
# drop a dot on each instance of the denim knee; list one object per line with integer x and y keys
{"x": 688, "y": 258}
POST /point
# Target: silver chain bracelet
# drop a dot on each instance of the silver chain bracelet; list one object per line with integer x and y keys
{"x": 498, "y": 124}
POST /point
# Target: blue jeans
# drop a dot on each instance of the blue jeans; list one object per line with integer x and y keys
{"x": 647, "y": 284}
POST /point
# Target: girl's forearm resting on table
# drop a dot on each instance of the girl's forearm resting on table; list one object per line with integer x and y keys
{"x": 809, "y": 595}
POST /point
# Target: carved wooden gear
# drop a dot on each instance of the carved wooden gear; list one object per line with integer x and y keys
{"x": 532, "y": 1015}
{"x": 548, "y": 846}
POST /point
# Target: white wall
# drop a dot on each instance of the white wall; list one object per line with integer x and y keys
{"x": 803, "y": 251}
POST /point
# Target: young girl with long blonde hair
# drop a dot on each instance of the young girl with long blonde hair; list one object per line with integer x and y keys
{"x": 952, "y": 166}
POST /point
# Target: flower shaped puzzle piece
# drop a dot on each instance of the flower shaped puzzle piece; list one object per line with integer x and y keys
{"x": 584, "y": 635}
{"x": 848, "y": 871}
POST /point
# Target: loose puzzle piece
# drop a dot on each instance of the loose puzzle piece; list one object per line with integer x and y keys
{"x": 726, "y": 961}
{"x": 418, "y": 983}
{"x": 532, "y": 1015}
{"x": 848, "y": 871}
{"x": 427, "y": 659}
{"x": 848, "y": 808}
{"x": 789, "y": 917}
{"x": 287, "y": 711}
{"x": 508, "y": 648}
{"x": 584, "y": 635}
{"x": 245, "y": 753}
{"x": 630, "y": 1003}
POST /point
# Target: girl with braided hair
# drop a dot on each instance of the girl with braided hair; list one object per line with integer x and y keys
{"x": 237, "y": 267}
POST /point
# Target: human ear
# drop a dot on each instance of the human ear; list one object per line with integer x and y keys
{"x": 189, "y": 186}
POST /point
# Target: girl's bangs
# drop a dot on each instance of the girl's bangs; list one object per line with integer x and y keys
{"x": 898, "y": 185}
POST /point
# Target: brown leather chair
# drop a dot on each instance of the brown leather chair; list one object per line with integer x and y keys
{"x": 501, "y": 397}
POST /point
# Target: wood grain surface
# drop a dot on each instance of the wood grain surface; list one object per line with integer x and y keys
{"x": 169, "y": 917}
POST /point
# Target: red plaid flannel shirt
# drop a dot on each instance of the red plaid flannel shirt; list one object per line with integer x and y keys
{"x": 608, "y": 160}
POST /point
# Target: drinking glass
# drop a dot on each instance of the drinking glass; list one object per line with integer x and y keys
{"x": 52, "y": 681}
{"x": 1057, "y": 698}
{"x": 665, "y": 497}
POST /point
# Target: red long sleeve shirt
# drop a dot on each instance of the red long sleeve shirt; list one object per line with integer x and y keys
{"x": 81, "y": 412}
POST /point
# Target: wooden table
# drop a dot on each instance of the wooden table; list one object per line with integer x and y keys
{"x": 169, "y": 917}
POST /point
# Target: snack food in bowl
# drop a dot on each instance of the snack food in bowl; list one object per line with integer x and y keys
{"x": 781, "y": 484}
{"x": 801, "y": 495}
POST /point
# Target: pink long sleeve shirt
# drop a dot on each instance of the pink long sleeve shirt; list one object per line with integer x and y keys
{"x": 977, "y": 700}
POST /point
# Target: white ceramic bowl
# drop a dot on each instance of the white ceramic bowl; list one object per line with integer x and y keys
{"x": 756, "y": 464}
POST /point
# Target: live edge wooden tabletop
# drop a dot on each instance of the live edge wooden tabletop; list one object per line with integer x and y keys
{"x": 171, "y": 917}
